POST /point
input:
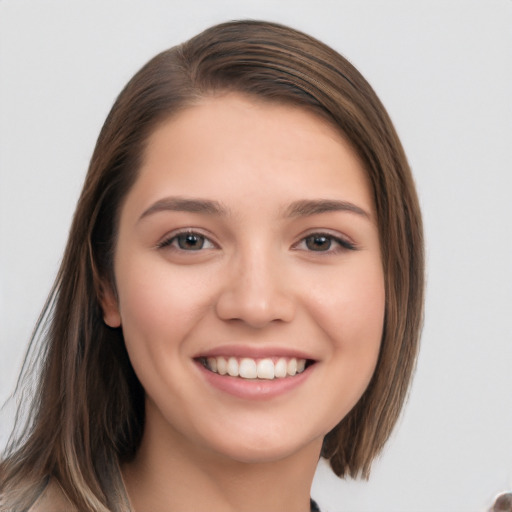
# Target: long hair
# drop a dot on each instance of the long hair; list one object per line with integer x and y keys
{"x": 87, "y": 414}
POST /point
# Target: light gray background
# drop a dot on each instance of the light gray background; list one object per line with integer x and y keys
{"x": 443, "y": 70}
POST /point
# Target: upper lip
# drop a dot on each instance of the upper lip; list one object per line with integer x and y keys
{"x": 254, "y": 352}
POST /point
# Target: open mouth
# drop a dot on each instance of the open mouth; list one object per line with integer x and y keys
{"x": 268, "y": 368}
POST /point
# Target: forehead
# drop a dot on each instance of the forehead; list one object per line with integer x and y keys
{"x": 233, "y": 145}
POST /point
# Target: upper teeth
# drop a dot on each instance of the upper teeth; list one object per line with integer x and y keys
{"x": 249, "y": 368}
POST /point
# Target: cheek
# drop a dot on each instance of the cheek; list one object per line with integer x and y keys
{"x": 351, "y": 313}
{"x": 157, "y": 304}
{"x": 159, "y": 309}
{"x": 363, "y": 311}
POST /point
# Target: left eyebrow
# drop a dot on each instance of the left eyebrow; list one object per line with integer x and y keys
{"x": 306, "y": 208}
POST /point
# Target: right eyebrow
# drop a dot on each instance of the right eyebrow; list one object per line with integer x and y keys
{"x": 184, "y": 204}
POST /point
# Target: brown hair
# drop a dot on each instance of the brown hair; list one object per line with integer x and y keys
{"x": 88, "y": 411}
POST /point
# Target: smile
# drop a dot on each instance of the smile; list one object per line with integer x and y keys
{"x": 248, "y": 368}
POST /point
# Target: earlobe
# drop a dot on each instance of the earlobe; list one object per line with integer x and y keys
{"x": 111, "y": 314}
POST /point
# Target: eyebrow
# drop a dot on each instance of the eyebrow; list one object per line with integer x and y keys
{"x": 306, "y": 208}
{"x": 302, "y": 208}
{"x": 183, "y": 204}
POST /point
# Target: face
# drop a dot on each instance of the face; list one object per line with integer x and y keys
{"x": 249, "y": 281}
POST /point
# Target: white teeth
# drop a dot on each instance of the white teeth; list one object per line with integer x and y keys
{"x": 292, "y": 366}
{"x": 280, "y": 369}
{"x": 248, "y": 368}
{"x": 266, "y": 369}
{"x": 222, "y": 365}
{"x": 233, "y": 367}
{"x": 212, "y": 364}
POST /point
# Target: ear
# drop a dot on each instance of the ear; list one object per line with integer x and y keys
{"x": 108, "y": 300}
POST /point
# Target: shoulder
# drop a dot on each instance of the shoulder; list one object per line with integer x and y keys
{"x": 52, "y": 499}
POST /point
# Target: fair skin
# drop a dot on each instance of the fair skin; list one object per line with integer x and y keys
{"x": 249, "y": 235}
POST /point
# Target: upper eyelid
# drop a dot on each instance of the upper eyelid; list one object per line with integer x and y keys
{"x": 343, "y": 243}
{"x": 183, "y": 231}
{"x": 336, "y": 236}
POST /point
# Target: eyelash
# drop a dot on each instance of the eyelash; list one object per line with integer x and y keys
{"x": 341, "y": 243}
{"x": 169, "y": 241}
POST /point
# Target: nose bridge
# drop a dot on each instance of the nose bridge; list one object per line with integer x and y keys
{"x": 255, "y": 290}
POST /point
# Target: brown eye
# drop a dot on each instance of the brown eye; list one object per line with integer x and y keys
{"x": 318, "y": 242}
{"x": 324, "y": 243}
{"x": 187, "y": 241}
{"x": 190, "y": 241}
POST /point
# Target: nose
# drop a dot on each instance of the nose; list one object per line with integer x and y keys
{"x": 256, "y": 291}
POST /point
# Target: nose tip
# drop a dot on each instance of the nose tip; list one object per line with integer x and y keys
{"x": 256, "y": 297}
{"x": 254, "y": 311}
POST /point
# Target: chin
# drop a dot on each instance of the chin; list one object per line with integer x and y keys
{"x": 263, "y": 449}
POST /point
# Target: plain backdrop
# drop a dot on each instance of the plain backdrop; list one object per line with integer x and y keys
{"x": 444, "y": 71}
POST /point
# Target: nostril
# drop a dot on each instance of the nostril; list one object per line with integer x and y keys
{"x": 254, "y": 309}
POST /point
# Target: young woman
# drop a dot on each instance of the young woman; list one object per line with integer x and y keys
{"x": 241, "y": 292}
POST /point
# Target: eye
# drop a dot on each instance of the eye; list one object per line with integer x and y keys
{"x": 318, "y": 242}
{"x": 187, "y": 241}
{"x": 324, "y": 242}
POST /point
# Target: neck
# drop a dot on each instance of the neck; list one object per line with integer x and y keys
{"x": 170, "y": 474}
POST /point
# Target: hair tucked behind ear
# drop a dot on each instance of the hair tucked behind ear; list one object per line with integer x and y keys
{"x": 87, "y": 412}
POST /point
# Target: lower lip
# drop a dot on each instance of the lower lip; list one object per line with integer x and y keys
{"x": 257, "y": 389}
